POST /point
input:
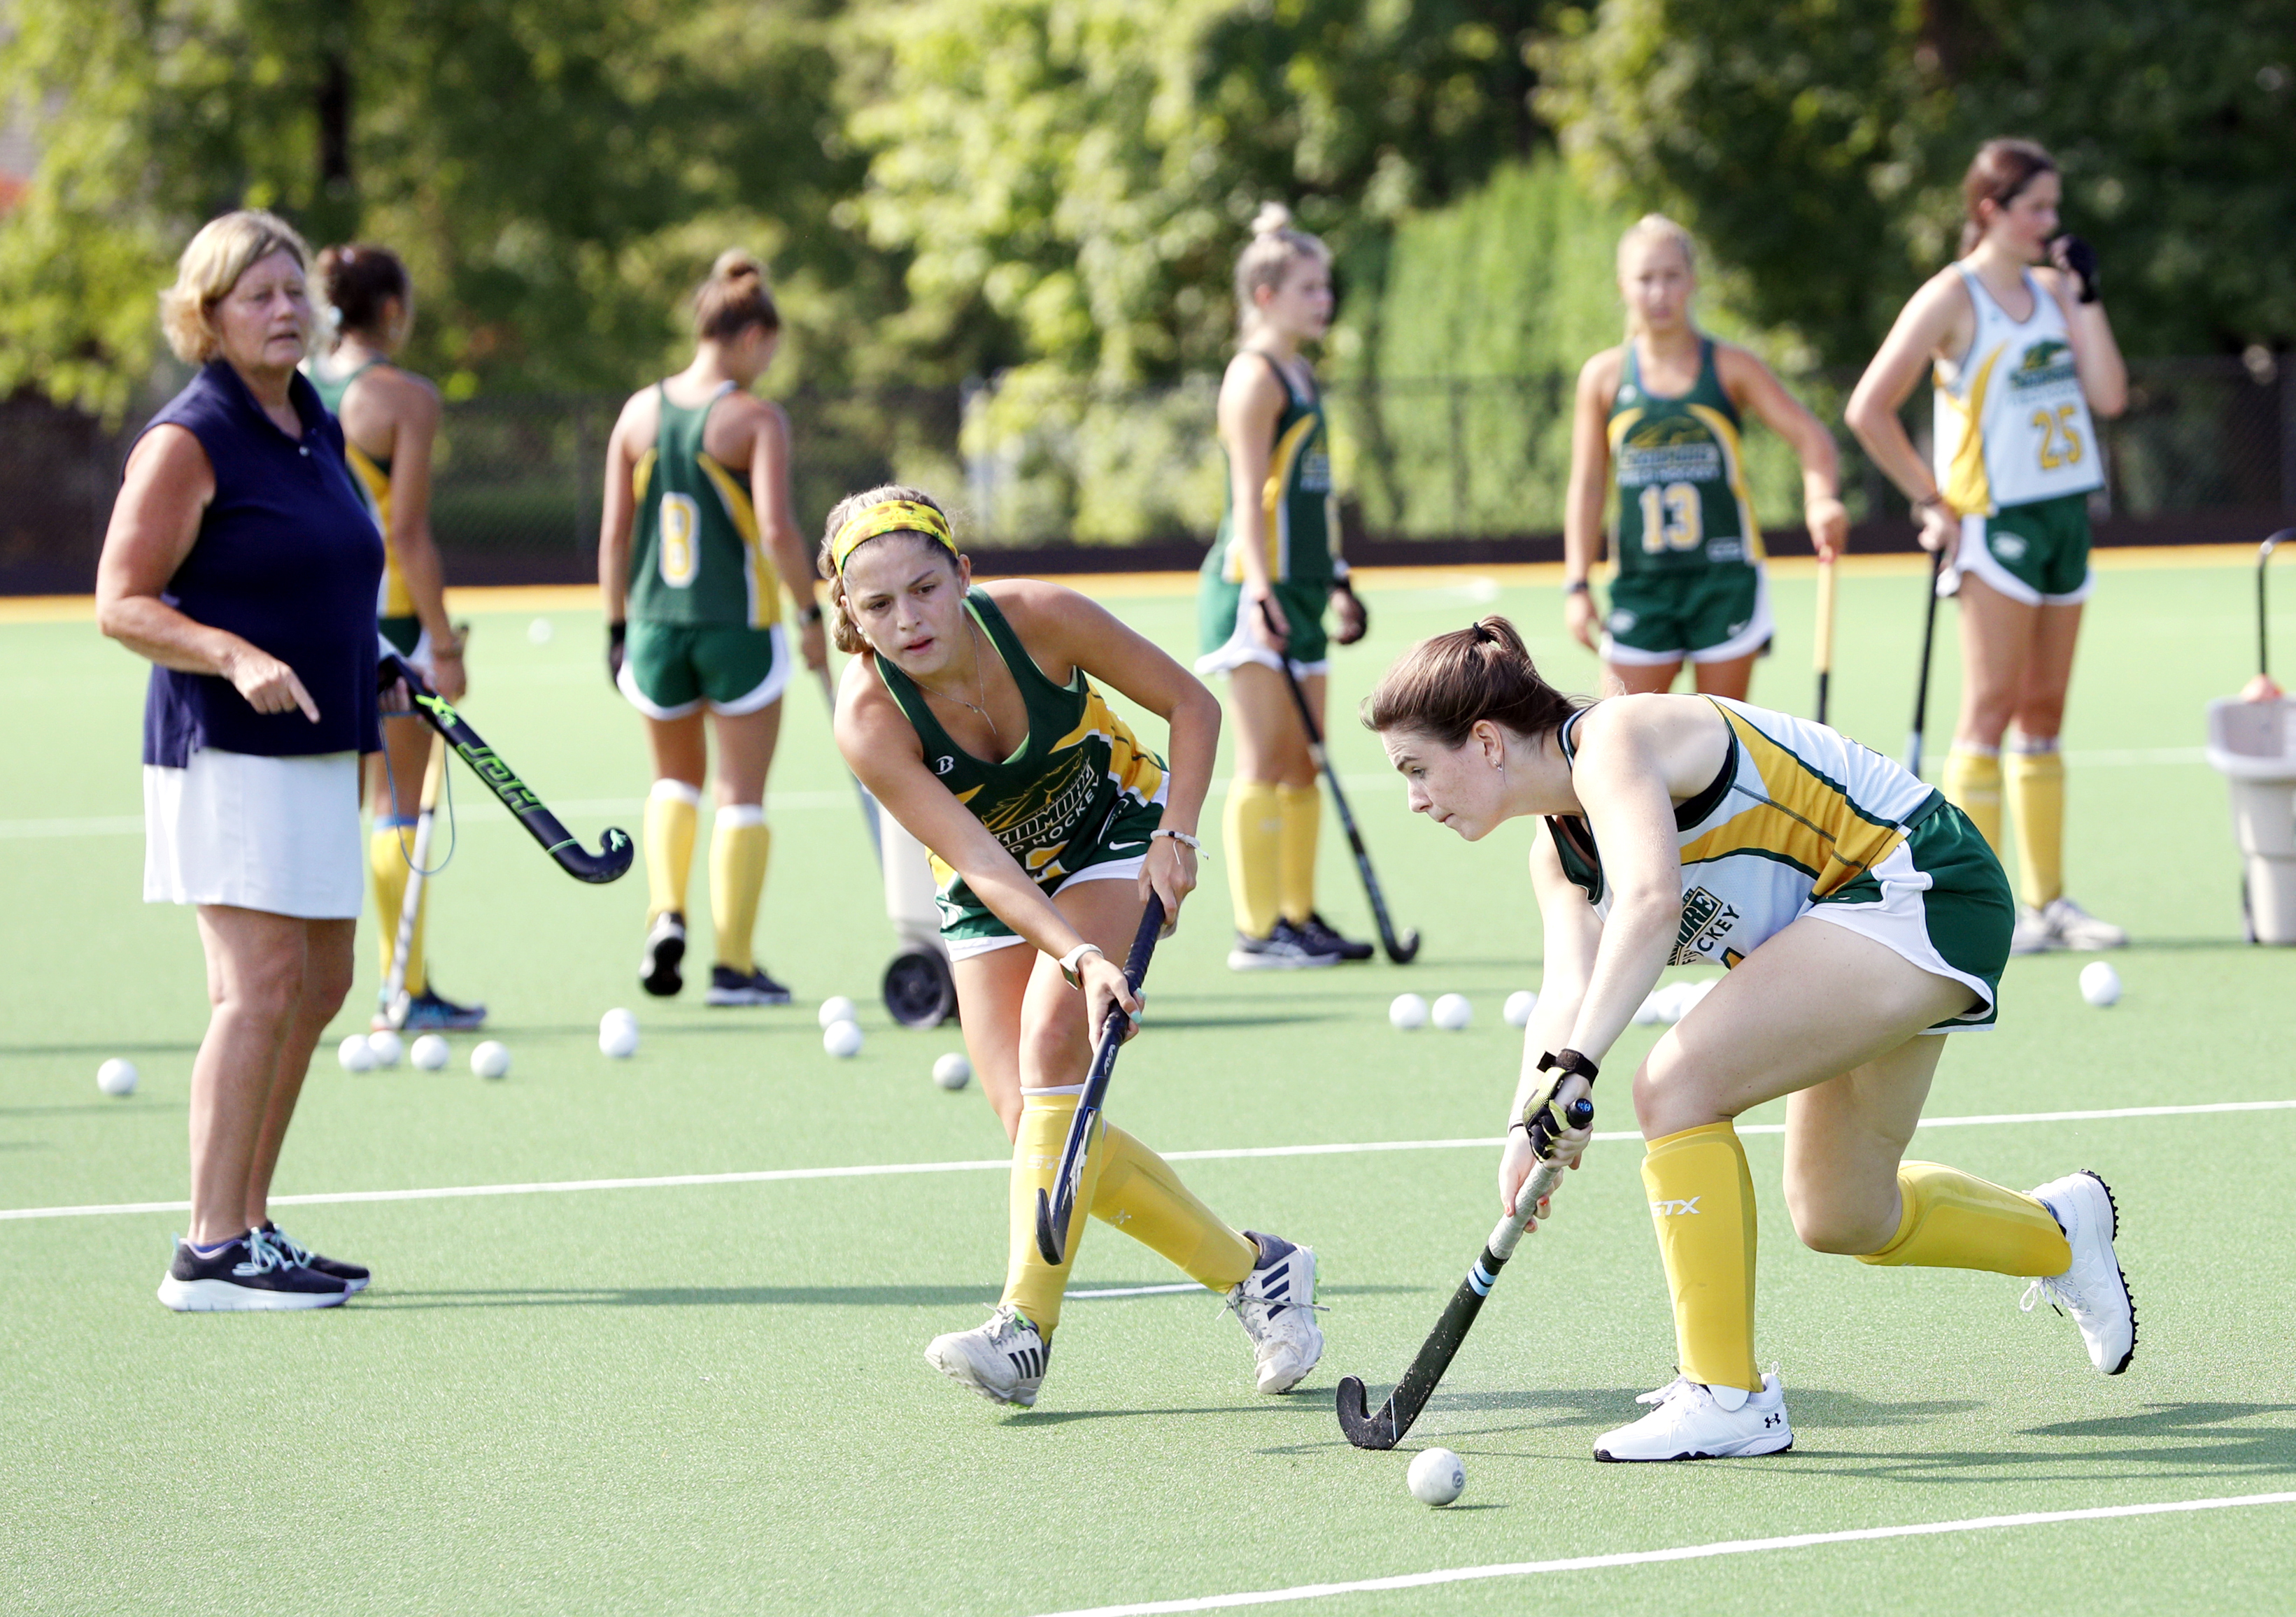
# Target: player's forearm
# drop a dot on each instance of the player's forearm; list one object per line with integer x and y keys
{"x": 416, "y": 553}
{"x": 1637, "y": 939}
{"x": 1548, "y": 1031}
{"x": 614, "y": 575}
{"x": 1582, "y": 527}
{"x": 1020, "y": 904}
{"x": 158, "y": 633}
{"x": 1193, "y": 746}
{"x": 2103, "y": 373}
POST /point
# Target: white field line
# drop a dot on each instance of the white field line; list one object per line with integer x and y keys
{"x": 1688, "y": 1552}
{"x": 766, "y": 1176}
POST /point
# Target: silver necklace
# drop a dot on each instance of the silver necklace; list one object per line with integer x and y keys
{"x": 979, "y": 688}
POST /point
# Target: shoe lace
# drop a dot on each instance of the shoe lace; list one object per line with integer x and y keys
{"x": 2045, "y": 1290}
{"x": 262, "y": 1256}
{"x": 1658, "y": 1395}
{"x": 294, "y": 1251}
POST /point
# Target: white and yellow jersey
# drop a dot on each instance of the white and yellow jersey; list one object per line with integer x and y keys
{"x": 2012, "y": 424}
{"x": 1798, "y": 814}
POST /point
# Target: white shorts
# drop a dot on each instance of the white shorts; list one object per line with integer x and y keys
{"x": 279, "y": 834}
{"x": 1244, "y": 647}
{"x": 1114, "y": 870}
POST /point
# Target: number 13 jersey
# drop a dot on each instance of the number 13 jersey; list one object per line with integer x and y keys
{"x": 1682, "y": 482}
{"x": 2012, "y": 424}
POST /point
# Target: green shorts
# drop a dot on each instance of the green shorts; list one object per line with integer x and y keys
{"x": 1712, "y": 613}
{"x": 1940, "y": 900}
{"x": 669, "y": 670}
{"x": 1114, "y": 854}
{"x": 1226, "y": 645}
{"x": 2037, "y": 554}
{"x": 404, "y": 634}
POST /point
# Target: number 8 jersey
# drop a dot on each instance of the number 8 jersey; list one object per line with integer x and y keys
{"x": 1682, "y": 482}
{"x": 696, "y": 555}
{"x": 2012, "y": 424}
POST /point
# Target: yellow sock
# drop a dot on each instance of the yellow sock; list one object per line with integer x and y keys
{"x": 1973, "y": 784}
{"x": 1956, "y": 1221}
{"x": 388, "y": 850}
{"x": 1140, "y": 1195}
{"x": 1254, "y": 823}
{"x": 2034, "y": 777}
{"x": 739, "y": 845}
{"x": 1031, "y": 1286}
{"x": 1702, "y": 1201}
{"x": 671, "y": 811}
{"x": 1302, "y": 811}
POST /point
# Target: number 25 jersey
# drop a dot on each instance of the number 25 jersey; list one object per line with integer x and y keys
{"x": 2012, "y": 424}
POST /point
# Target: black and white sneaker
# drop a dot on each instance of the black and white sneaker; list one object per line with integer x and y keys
{"x": 1276, "y": 1304}
{"x": 1002, "y": 1359}
{"x": 248, "y": 1272}
{"x": 1321, "y": 937}
{"x": 665, "y": 948}
{"x": 728, "y": 986}
{"x": 353, "y": 1276}
{"x": 1285, "y": 949}
{"x": 432, "y": 1012}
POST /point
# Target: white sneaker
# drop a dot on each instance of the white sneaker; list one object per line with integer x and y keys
{"x": 2092, "y": 1291}
{"x": 1276, "y": 1303}
{"x": 2033, "y": 933}
{"x": 2077, "y": 928}
{"x": 1003, "y": 1360}
{"x": 1693, "y": 1423}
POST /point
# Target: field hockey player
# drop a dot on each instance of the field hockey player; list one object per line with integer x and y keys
{"x": 1860, "y": 916}
{"x": 971, "y": 712}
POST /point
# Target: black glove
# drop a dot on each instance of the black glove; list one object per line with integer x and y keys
{"x": 2078, "y": 257}
{"x": 617, "y": 636}
{"x": 1348, "y": 636}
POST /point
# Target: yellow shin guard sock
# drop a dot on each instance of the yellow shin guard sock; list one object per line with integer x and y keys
{"x": 1033, "y": 1286}
{"x": 1254, "y": 822}
{"x": 1141, "y": 1196}
{"x": 2034, "y": 777}
{"x": 387, "y": 853}
{"x": 1301, "y": 810}
{"x": 739, "y": 843}
{"x": 671, "y": 811}
{"x": 1973, "y": 784}
{"x": 1954, "y": 1220}
{"x": 1701, "y": 1199}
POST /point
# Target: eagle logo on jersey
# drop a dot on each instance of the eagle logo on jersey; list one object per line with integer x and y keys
{"x": 2047, "y": 363}
{"x": 1668, "y": 449}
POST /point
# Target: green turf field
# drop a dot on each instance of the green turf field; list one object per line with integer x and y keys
{"x": 709, "y": 1397}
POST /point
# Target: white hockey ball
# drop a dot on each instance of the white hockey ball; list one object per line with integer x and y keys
{"x": 953, "y": 1071}
{"x": 355, "y": 1053}
{"x": 2099, "y": 983}
{"x": 1438, "y": 1476}
{"x": 837, "y": 1008}
{"x": 618, "y": 1035}
{"x": 841, "y": 1039}
{"x": 1453, "y": 1012}
{"x": 116, "y": 1076}
{"x": 1519, "y": 1004}
{"x": 386, "y": 1046}
{"x": 430, "y": 1052}
{"x": 491, "y": 1059}
{"x": 1407, "y": 1011}
{"x": 539, "y": 631}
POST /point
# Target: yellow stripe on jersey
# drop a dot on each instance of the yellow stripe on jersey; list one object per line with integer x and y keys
{"x": 758, "y": 572}
{"x": 1132, "y": 766}
{"x": 1967, "y": 488}
{"x": 1620, "y": 425}
{"x": 396, "y": 601}
{"x": 1733, "y": 471}
{"x": 641, "y": 475}
{"x": 1805, "y": 820}
{"x": 1274, "y": 509}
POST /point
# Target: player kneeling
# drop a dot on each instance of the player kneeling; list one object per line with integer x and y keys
{"x": 1859, "y": 913}
{"x": 969, "y": 711}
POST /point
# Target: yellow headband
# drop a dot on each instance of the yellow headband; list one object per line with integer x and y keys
{"x": 889, "y": 516}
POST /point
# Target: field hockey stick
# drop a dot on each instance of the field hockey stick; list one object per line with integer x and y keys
{"x": 1385, "y": 1429}
{"x": 1825, "y": 652}
{"x": 2263, "y": 565}
{"x": 868, "y": 804}
{"x": 1400, "y": 950}
{"x": 615, "y": 849}
{"x": 1922, "y": 681}
{"x": 1054, "y": 1212}
{"x": 395, "y": 1001}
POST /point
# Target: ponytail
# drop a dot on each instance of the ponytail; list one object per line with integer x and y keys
{"x": 1444, "y": 686}
{"x": 734, "y": 300}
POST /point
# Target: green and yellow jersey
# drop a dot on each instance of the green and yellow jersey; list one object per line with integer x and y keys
{"x": 1298, "y": 501}
{"x": 696, "y": 555}
{"x": 1683, "y": 500}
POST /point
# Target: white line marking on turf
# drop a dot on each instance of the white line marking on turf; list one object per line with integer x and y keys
{"x": 1688, "y": 1552}
{"x": 766, "y": 1176}
{"x": 1137, "y": 1291}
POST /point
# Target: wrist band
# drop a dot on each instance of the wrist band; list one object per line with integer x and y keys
{"x": 1931, "y": 498}
{"x": 1195, "y": 844}
{"x": 1569, "y": 1063}
{"x": 1578, "y": 586}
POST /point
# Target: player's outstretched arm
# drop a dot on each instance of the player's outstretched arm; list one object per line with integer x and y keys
{"x": 1620, "y": 778}
{"x": 1590, "y": 482}
{"x": 1938, "y": 321}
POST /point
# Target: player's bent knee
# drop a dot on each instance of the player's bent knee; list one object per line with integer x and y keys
{"x": 1843, "y": 1231}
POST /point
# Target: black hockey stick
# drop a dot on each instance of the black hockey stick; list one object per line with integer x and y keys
{"x": 1386, "y": 1428}
{"x": 615, "y": 851}
{"x": 1400, "y": 950}
{"x": 1054, "y": 1212}
{"x": 1922, "y": 681}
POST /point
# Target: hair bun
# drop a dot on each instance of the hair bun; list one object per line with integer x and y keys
{"x": 1272, "y": 219}
{"x": 737, "y": 264}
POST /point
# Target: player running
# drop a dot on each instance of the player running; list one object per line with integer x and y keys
{"x": 2021, "y": 356}
{"x": 696, "y": 537}
{"x": 1270, "y": 573}
{"x": 971, "y": 712}
{"x": 390, "y": 420}
{"x": 1858, "y": 912}
{"x": 1660, "y": 414}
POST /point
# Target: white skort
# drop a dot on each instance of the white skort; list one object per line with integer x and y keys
{"x": 278, "y": 835}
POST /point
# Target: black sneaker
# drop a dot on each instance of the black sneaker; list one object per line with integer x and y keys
{"x": 1324, "y": 940}
{"x": 247, "y": 1272}
{"x": 665, "y": 947}
{"x": 432, "y": 1012}
{"x": 353, "y": 1278}
{"x": 728, "y": 986}
{"x": 1285, "y": 949}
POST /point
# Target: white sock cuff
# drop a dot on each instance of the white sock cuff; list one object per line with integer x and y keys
{"x": 1969, "y": 750}
{"x": 739, "y": 816}
{"x": 666, "y": 790}
{"x": 2032, "y": 745}
{"x": 1030, "y": 1098}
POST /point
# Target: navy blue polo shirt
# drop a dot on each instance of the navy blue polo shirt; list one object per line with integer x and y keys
{"x": 289, "y": 558}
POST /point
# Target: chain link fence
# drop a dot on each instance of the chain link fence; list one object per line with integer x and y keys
{"x": 2205, "y": 449}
